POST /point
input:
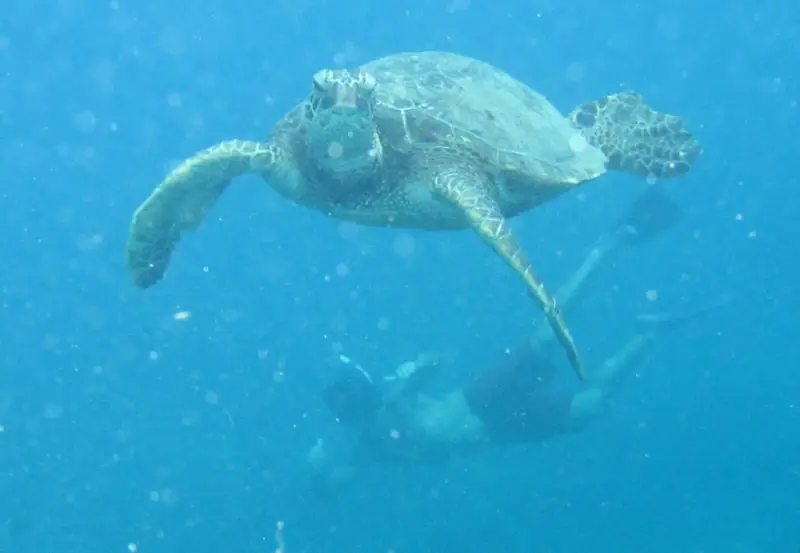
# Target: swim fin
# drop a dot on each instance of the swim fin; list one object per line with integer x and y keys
{"x": 672, "y": 320}
{"x": 653, "y": 213}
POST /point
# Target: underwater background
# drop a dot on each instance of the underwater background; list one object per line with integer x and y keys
{"x": 179, "y": 418}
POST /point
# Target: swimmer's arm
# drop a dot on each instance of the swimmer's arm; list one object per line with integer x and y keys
{"x": 412, "y": 376}
{"x": 408, "y": 379}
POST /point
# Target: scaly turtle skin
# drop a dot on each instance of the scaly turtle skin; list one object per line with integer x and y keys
{"x": 425, "y": 140}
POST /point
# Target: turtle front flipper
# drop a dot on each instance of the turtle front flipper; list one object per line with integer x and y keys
{"x": 470, "y": 191}
{"x": 183, "y": 199}
{"x": 636, "y": 138}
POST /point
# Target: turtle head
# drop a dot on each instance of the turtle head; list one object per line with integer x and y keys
{"x": 342, "y": 134}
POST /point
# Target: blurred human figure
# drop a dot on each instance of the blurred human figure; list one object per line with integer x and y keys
{"x": 393, "y": 419}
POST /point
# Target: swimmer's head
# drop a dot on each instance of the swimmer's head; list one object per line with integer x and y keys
{"x": 353, "y": 400}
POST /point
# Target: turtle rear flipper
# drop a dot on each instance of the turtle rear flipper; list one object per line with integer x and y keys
{"x": 470, "y": 191}
{"x": 636, "y": 138}
{"x": 183, "y": 199}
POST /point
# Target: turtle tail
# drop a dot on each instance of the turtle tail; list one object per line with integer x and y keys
{"x": 636, "y": 138}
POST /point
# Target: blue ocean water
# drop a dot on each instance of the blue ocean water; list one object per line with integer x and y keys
{"x": 179, "y": 418}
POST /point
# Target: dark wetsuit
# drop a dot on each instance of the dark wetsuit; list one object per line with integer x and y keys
{"x": 512, "y": 399}
{"x": 512, "y": 402}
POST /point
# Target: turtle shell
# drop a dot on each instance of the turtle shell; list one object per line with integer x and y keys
{"x": 474, "y": 108}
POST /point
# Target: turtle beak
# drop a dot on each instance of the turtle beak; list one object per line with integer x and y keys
{"x": 346, "y": 97}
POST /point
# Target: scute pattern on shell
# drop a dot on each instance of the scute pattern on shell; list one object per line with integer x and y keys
{"x": 475, "y": 108}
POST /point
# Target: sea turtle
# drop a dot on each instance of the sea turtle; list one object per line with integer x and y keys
{"x": 425, "y": 140}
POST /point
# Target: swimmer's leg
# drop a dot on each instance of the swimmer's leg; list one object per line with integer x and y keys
{"x": 513, "y": 407}
{"x": 603, "y": 384}
{"x": 649, "y": 216}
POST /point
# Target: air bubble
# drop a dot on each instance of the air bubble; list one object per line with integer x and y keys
{"x": 575, "y": 72}
{"x": 578, "y": 143}
{"x": 342, "y": 270}
{"x": 85, "y": 121}
{"x": 211, "y": 397}
{"x": 405, "y": 246}
{"x": 174, "y": 100}
{"x": 335, "y": 149}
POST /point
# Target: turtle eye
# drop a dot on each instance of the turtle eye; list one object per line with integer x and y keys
{"x": 321, "y": 103}
{"x": 368, "y": 82}
{"x": 320, "y": 83}
{"x": 326, "y": 102}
